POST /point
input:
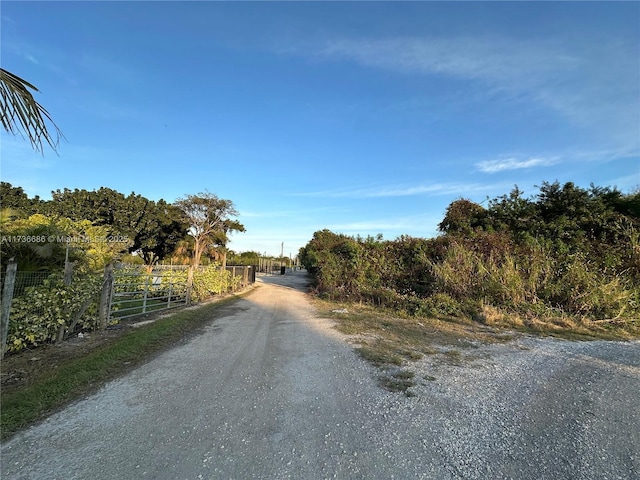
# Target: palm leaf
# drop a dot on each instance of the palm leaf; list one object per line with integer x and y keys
{"x": 20, "y": 112}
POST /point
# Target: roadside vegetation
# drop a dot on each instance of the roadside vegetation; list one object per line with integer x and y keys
{"x": 565, "y": 262}
{"x": 62, "y": 246}
{"x": 391, "y": 340}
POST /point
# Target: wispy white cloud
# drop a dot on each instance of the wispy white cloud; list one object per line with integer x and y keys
{"x": 403, "y": 191}
{"x": 492, "y": 58}
{"x": 513, "y": 163}
{"x": 596, "y": 155}
{"x": 594, "y": 84}
{"x": 628, "y": 183}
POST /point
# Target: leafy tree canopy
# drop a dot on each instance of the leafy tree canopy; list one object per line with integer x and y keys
{"x": 153, "y": 228}
{"x": 209, "y": 219}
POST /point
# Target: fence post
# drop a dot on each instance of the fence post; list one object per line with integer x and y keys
{"x": 233, "y": 277}
{"x": 105, "y": 296}
{"x": 170, "y": 288}
{"x": 68, "y": 275}
{"x": 189, "y": 284}
{"x": 7, "y": 297}
{"x": 146, "y": 294}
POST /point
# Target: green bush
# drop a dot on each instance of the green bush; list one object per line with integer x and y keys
{"x": 39, "y": 315}
{"x": 440, "y": 304}
{"x": 211, "y": 280}
{"x": 53, "y": 310}
{"x": 567, "y": 250}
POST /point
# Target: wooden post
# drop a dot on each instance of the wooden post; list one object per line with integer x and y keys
{"x": 233, "y": 277}
{"x": 189, "y": 284}
{"x": 146, "y": 294}
{"x": 7, "y": 297}
{"x": 105, "y": 296}
{"x": 68, "y": 275}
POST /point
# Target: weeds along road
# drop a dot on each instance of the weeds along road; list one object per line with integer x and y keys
{"x": 270, "y": 391}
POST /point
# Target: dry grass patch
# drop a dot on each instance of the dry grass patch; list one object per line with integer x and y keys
{"x": 387, "y": 340}
{"x": 557, "y": 324}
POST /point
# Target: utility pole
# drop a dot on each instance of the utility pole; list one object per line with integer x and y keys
{"x": 281, "y": 258}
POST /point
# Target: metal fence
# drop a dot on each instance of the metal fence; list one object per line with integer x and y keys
{"x": 18, "y": 289}
{"x": 127, "y": 291}
{"x": 246, "y": 274}
{"x": 136, "y": 293}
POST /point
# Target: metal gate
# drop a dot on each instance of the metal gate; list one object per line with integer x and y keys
{"x": 136, "y": 293}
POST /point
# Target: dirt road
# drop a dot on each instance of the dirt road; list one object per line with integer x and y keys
{"x": 270, "y": 391}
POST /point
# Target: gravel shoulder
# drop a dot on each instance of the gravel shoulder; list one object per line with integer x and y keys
{"x": 271, "y": 391}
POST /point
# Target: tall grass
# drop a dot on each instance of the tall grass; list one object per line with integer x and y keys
{"x": 535, "y": 279}
{"x": 574, "y": 284}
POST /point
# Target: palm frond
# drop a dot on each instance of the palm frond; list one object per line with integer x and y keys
{"x": 20, "y": 112}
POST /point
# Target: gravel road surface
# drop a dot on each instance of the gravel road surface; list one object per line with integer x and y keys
{"x": 271, "y": 391}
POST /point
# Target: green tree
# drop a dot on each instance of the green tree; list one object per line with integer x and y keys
{"x": 210, "y": 221}
{"x": 513, "y": 213}
{"x": 463, "y": 216}
{"x": 155, "y": 228}
{"x": 16, "y": 198}
{"x": 47, "y": 239}
{"x": 244, "y": 258}
{"x": 163, "y": 231}
{"x": 38, "y": 253}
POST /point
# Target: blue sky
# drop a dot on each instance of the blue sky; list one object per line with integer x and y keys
{"x": 363, "y": 117}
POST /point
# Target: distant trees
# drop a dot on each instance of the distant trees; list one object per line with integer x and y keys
{"x": 149, "y": 229}
{"x": 244, "y": 258}
{"x": 155, "y": 228}
{"x": 463, "y": 216}
{"x": 210, "y": 222}
{"x": 16, "y": 198}
{"x": 569, "y": 215}
{"x": 564, "y": 251}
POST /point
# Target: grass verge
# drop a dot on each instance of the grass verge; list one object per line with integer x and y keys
{"x": 55, "y": 388}
{"x": 556, "y": 324}
{"x": 388, "y": 340}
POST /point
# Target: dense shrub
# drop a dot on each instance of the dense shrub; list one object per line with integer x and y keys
{"x": 567, "y": 250}
{"x": 211, "y": 280}
{"x": 53, "y": 310}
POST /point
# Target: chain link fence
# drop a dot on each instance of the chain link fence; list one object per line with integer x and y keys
{"x": 49, "y": 306}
